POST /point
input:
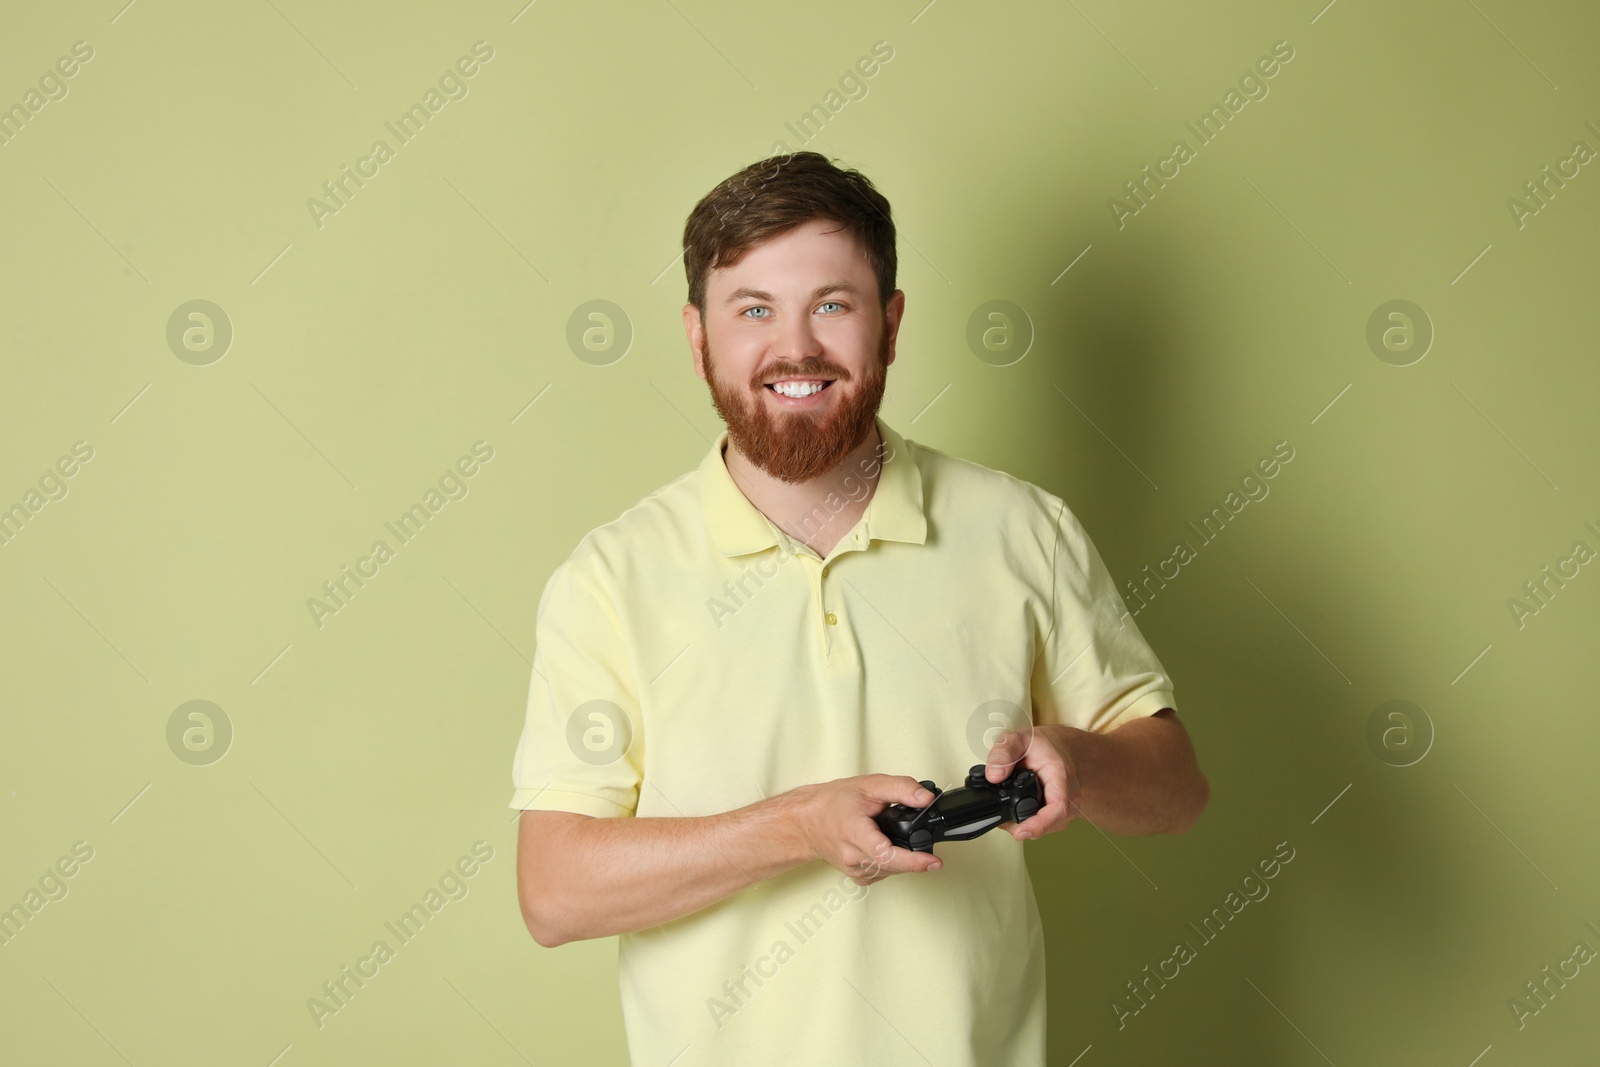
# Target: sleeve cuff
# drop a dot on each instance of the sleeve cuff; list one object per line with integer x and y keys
{"x": 1148, "y": 704}
{"x": 560, "y": 800}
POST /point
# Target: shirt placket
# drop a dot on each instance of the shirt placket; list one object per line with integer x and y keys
{"x": 829, "y": 607}
{"x": 826, "y": 614}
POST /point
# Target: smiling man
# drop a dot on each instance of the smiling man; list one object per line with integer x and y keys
{"x": 736, "y": 674}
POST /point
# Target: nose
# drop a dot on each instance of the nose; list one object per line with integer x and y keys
{"x": 797, "y": 342}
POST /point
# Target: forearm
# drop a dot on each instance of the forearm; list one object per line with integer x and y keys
{"x": 616, "y": 875}
{"x": 1141, "y": 778}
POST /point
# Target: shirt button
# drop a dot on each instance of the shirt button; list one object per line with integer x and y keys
{"x": 833, "y": 620}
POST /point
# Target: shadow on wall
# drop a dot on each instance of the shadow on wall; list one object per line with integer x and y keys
{"x": 1279, "y": 734}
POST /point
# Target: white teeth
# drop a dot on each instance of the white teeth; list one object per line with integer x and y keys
{"x": 797, "y": 389}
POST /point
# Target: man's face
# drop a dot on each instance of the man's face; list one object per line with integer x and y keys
{"x": 800, "y": 308}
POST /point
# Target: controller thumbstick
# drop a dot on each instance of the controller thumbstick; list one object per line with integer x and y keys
{"x": 977, "y": 776}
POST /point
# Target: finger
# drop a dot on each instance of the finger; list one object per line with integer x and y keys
{"x": 908, "y": 860}
{"x": 1009, "y": 749}
{"x": 891, "y": 858}
{"x": 1047, "y": 819}
{"x": 876, "y": 860}
{"x": 871, "y": 878}
{"x": 1053, "y": 813}
{"x": 898, "y": 789}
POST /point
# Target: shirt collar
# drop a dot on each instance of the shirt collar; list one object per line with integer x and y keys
{"x": 895, "y": 512}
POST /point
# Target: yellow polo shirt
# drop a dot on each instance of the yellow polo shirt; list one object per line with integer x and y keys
{"x": 692, "y": 658}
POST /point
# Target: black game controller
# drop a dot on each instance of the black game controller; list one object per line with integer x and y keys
{"x": 963, "y": 813}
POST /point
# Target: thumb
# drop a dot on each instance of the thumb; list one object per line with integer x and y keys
{"x": 900, "y": 789}
{"x": 1007, "y": 751}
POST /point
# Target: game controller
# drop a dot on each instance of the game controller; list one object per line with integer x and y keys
{"x": 963, "y": 813}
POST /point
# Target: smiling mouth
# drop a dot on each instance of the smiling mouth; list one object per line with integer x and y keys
{"x": 826, "y": 382}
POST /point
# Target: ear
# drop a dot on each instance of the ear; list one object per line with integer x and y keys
{"x": 892, "y": 313}
{"x": 695, "y": 330}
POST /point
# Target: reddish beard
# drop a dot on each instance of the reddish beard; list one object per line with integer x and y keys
{"x": 798, "y": 446}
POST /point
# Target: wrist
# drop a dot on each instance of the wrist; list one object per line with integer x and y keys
{"x": 1077, "y": 749}
{"x": 795, "y": 822}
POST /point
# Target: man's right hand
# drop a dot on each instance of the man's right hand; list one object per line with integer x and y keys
{"x": 582, "y": 876}
{"x": 837, "y": 820}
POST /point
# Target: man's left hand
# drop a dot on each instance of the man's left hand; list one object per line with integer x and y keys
{"x": 1047, "y": 752}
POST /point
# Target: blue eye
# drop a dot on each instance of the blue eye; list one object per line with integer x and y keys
{"x": 746, "y": 311}
{"x": 835, "y": 303}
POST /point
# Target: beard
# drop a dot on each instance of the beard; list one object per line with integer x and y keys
{"x": 798, "y": 446}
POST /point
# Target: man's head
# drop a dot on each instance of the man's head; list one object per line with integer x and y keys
{"x": 791, "y": 268}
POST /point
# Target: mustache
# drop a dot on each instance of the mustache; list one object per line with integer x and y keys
{"x": 801, "y": 370}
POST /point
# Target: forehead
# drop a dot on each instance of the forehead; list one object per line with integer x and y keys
{"x": 793, "y": 260}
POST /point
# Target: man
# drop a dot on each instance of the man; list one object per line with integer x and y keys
{"x": 736, "y": 674}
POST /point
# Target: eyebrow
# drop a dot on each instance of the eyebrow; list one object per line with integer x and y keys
{"x": 821, "y": 290}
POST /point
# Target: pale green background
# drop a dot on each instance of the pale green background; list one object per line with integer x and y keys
{"x": 1225, "y": 317}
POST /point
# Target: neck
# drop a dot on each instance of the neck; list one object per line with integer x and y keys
{"x": 801, "y": 509}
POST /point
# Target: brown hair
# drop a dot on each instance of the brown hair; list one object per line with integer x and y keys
{"x": 775, "y": 195}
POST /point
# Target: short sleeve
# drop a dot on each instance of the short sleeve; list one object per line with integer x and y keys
{"x": 1094, "y": 670}
{"x": 582, "y": 743}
